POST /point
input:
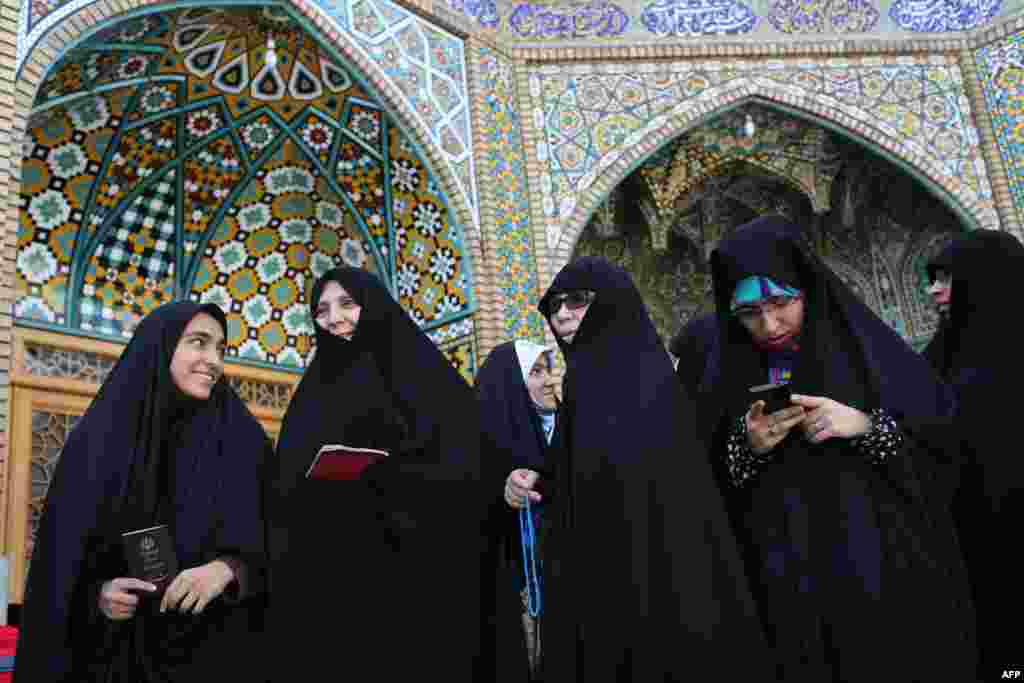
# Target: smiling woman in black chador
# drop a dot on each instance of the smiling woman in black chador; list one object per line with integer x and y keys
{"x": 166, "y": 441}
{"x": 377, "y": 575}
{"x": 843, "y": 503}
{"x": 642, "y": 580}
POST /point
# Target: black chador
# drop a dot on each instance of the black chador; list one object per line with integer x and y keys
{"x": 514, "y": 437}
{"x": 980, "y": 356}
{"x": 142, "y": 455}
{"x": 642, "y": 577}
{"x": 378, "y": 577}
{"x": 693, "y": 346}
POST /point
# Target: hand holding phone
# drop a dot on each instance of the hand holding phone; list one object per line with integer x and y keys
{"x": 776, "y": 397}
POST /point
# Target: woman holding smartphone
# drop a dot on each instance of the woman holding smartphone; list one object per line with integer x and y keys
{"x": 843, "y": 509}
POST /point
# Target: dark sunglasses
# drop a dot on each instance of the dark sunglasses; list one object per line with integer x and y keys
{"x": 573, "y": 300}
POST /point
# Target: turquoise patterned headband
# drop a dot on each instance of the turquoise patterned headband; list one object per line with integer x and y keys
{"x": 752, "y": 289}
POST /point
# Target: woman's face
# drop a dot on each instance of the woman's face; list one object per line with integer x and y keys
{"x": 541, "y": 384}
{"x": 775, "y": 321}
{"x": 941, "y": 289}
{"x": 567, "y": 310}
{"x": 337, "y": 312}
{"x": 198, "y": 360}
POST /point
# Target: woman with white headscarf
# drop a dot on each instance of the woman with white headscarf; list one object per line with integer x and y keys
{"x": 518, "y": 402}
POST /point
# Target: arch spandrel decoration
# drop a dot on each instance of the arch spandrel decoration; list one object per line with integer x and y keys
{"x": 222, "y": 154}
{"x": 1001, "y": 70}
{"x": 598, "y": 122}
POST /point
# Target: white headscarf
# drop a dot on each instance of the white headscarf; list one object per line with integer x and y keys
{"x": 528, "y": 352}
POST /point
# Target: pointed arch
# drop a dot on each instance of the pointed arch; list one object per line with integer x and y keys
{"x": 972, "y": 208}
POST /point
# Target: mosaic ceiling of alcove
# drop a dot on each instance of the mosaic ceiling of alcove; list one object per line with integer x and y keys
{"x": 794, "y": 149}
{"x": 223, "y": 155}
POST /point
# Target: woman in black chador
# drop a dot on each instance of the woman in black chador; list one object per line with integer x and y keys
{"x": 377, "y": 576}
{"x": 642, "y": 581}
{"x": 518, "y": 404}
{"x": 846, "y": 512}
{"x": 165, "y": 442}
{"x": 980, "y": 356}
{"x": 940, "y": 280}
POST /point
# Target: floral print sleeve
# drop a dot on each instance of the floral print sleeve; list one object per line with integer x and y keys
{"x": 882, "y": 440}
{"x": 742, "y": 461}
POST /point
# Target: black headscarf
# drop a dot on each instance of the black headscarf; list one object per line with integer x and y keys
{"x": 850, "y": 556}
{"x": 935, "y": 352}
{"x": 143, "y": 454}
{"x": 982, "y": 360}
{"x": 430, "y": 397}
{"x": 642, "y": 578}
{"x": 393, "y": 557}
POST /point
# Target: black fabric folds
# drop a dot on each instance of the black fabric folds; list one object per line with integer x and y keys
{"x": 982, "y": 360}
{"x": 144, "y": 454}
{"x": 642, "y": 578}
{"x": 693, "y": 346}
{"x": 859, "y": 576}
{"x": 392, "y": 560}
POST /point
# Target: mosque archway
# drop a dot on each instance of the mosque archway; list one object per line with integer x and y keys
{"x": 870, "y": 220}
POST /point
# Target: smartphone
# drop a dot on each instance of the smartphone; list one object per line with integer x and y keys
{"x": 775, "y": 396}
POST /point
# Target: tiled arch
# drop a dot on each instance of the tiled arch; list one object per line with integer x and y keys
{"x": 91, "y": 18}
{"x": 564, "y": 222}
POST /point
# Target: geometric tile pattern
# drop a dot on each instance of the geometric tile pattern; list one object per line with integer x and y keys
{"x": 504, "y": 162}
{"x": 242, "y": 161}
{"x": 593, "y": 118}
{"x": 1001, "y": 70}
{"x": 426, "y": 64}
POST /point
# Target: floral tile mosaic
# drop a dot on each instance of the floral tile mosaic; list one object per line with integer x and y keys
{"x": 243, "y": 166}
{"x": 1001, "y": 69}
{"x": 598, "y": 121}
{"x": 504, "y": 161}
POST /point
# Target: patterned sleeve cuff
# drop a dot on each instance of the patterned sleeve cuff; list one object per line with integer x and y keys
{"x": 882, "y": 440}
{"x": 742, "y": 462}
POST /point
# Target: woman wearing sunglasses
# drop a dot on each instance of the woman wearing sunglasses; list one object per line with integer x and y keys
{"x": 641, "y": 579}
{"x": 842, "y": 505}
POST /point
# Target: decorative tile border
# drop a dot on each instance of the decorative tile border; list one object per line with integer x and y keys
{"x": 503, "y": 164}
{"x": 673, "y": 99}
{"x": 1000, "y": 76}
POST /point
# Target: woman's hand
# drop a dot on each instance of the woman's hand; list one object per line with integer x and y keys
{"x": 194, "y": 589}
{"x": 827, "y": 418}
{"x": 518, "y": 485}
{"x": 116, "y": 600}
{"x": 764, "y": 432}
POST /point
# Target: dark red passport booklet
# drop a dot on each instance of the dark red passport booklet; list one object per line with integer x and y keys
{"x": 343, "y": 463}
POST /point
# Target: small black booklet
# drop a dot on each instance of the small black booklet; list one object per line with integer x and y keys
{"x": 150, "y": 555}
